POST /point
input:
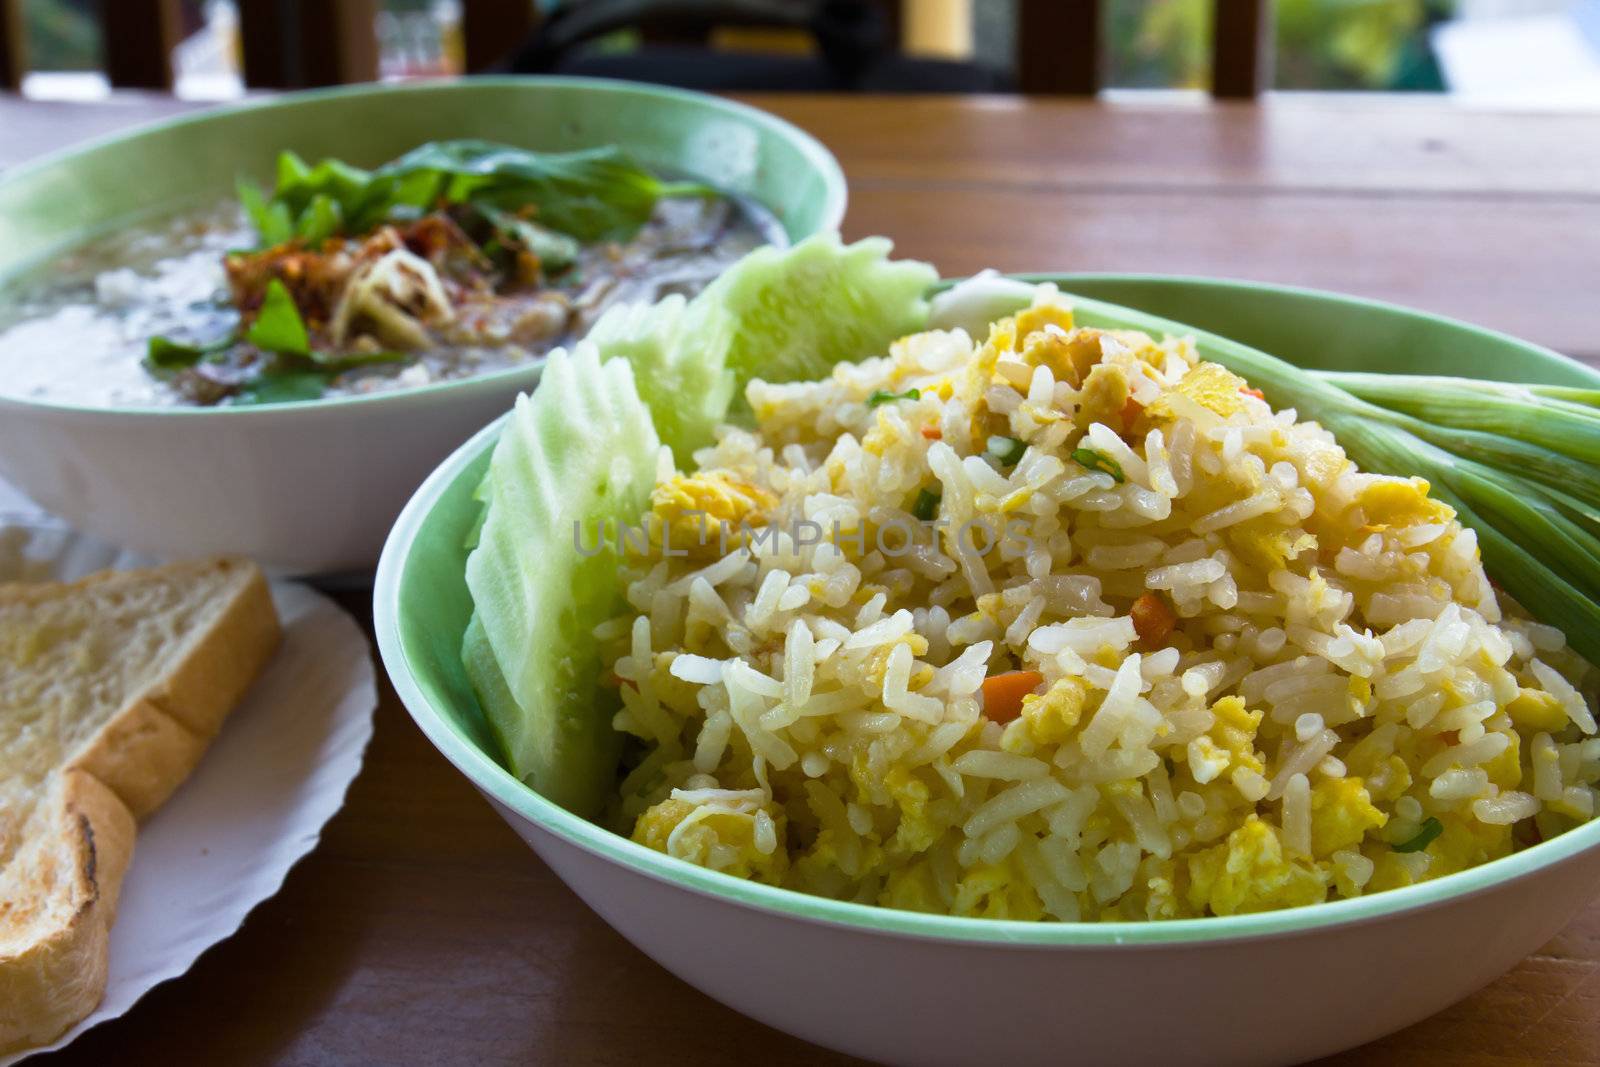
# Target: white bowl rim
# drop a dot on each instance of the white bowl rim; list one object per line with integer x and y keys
{"x": 505, "y": 789}
{"x": 817, "y": 154}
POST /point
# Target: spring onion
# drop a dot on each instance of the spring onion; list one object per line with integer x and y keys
{"x": 926, "y": 506}
{"x": 1547, "y": 416}
{"x": 883, "y": 396}
{"x": 1007, "y": 451}
{"x": 1099, "y": 462}
{"x": 1431, "y": 828}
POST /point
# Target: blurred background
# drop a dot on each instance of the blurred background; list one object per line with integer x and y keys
{"x": 1539, "y": 53}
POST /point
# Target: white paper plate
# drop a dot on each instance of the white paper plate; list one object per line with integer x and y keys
{"x": 260, "y": 797}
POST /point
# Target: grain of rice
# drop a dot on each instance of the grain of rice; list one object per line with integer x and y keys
{"x": 981, "y": 763}
{"x": 1011, "y": 804}
{"x": 1458, "y": 784}
{"x": 1300, "y": 760}
{"x": 1505, "y": 809}
{"x": 1297, "y": 815}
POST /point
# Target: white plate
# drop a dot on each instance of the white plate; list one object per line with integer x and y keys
{"x": 257, "y": 802}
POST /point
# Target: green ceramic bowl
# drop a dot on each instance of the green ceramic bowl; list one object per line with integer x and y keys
{"x": 313, "y": 487}
{"x": 57, "y": 201}
{"x": 902, "y": 987}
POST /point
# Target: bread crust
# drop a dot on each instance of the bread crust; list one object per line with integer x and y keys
{"x": 145, "y": 751}
{"x": 225, "y": 659}
{"x": 141, "y": 755}
{"x": 59, "y": 977}
{"x": 137, "y": 759}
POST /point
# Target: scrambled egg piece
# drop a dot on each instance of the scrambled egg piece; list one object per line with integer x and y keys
{"x": 911, "y": 888}
{"x": 997, "y": 891}
{"x": 1207, "y": 385}
{"x": 1358, "y": 695}
{"x": 916, "y": 832}
{"x": 1395, "y": 778}
{"x": 1107, "y": 656}
{"x": 1505, "y": 770}
{"x": 1388, "y": 501}
{"x": 876, "y": 664}
{"x": 1465, "y": 842}
{"x": 1321, "y": 466}
{"x": 1105, "y": 394}
{"x": 1341, "y": 814}
{"x": 1537, "y": 711}
{"x": 1229, "y": 743}
{"x": 727, "y": 836}
{"x": 1051, "y": 716}
{"x": 1313, "y": 606}
{"x": 1001, "y": 342}
{"x": 1162, "y": 900}
{"x": 1034, "y": 320}
{"x": 673, "y": 692}
{"x": 829, "y": 858}
{"x": 691, "y": 508}
{"x": 1070, "y": 357}
{"x": 1388, "y": 870}
{"x": 1264, "y": 542}
{"x": 1249, "y": 872}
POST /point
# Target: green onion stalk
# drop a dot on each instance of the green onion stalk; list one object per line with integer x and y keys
{"x": 1519, "y": 464}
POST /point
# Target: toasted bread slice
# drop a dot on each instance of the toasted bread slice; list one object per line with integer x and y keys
{"x": 110, "y": 690}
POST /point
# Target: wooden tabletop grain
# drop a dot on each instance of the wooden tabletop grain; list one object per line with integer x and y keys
{"x": 422, "y": 931}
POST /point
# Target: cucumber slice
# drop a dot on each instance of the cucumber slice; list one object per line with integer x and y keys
{"x": 676, "y": 350}
{"x": 576, "y": 459}
{"x": 779, "y": 315}
{"x": 481, "y": 495}
{"x": 582, "y": 455}
{"x": 798, "y": 312}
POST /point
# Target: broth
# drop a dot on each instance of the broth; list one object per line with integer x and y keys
{"x": 77, "y": 329}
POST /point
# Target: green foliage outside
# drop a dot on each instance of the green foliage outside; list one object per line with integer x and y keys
{"x": 1321, "y": 44}
{"x": 62, "y": 34}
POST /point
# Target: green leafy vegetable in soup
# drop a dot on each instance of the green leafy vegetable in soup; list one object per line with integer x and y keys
{"x": 593, "y": 195}
{"x": 455, "y": 259}
{"x": 278, "y": 326}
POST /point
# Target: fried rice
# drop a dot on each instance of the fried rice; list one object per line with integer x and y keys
{"x": 1069, "y": 624}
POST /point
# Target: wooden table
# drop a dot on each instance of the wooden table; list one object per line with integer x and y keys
{"x": 423, "y": 931}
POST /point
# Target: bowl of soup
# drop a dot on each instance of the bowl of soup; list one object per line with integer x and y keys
{"x": 256, "y": 329}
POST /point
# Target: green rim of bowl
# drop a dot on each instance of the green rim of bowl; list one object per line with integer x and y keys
{"x": 831, "y": 213}
{"x": 498, "y": 783}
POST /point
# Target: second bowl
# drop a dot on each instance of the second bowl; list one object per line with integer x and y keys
{"x": 313, "y": 487}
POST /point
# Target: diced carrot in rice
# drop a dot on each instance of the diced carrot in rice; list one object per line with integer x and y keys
{"x": 1153, "y": 620}
{"x": 1003, "y": 693}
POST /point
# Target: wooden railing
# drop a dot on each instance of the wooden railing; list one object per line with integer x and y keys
{"x": 295, "y": 43}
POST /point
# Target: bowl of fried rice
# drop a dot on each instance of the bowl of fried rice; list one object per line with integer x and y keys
{"x": 1013, "y": 679}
